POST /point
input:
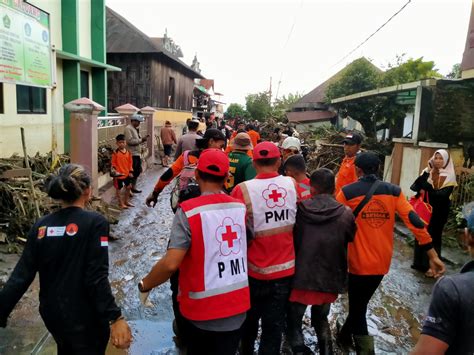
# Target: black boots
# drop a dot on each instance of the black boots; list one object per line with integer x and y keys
{"x": 344, "y": 337}
{"x": 323, "y": 332}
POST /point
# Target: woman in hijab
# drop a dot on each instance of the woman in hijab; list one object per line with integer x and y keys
{"x": 437, "y": 182}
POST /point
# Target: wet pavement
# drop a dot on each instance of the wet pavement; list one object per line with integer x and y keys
{"x": 394, "y": 316}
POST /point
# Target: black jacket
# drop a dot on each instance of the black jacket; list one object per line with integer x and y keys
{"x": 436, "y": 197}
{"x": 69, "y": 250}
{"x": 440, "y": 199}
{"x": 323, "y": 229}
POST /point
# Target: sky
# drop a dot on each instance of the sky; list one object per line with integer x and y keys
{"x": 299, "y": 43}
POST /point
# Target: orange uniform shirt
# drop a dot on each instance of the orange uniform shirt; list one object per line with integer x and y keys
{"x": 371, "y": 251}
{"x": 346, "y": 174}
{"x": 122, "y": 163}
{"x": 254, "y": 137}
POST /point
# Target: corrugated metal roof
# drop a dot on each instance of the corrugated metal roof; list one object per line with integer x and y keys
{"x": 310, "y": 116}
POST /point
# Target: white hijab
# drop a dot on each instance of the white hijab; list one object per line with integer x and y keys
{"x": 446, "y": 171}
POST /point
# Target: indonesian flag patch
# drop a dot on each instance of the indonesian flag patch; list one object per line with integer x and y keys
{"x": 104, "y": 241}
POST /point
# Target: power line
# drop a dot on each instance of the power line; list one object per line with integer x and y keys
{"x": 378, "y": 29}
{"x": 286, "y": 43}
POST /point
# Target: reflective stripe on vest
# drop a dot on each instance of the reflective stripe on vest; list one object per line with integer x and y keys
{"x": 218, "y": 291}
{"x": 214, "y": 206}
{"x": 272, "y": 269}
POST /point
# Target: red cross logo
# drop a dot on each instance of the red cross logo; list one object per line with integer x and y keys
{"x": 274, "y": 196}
{"x": 229, "y": 236}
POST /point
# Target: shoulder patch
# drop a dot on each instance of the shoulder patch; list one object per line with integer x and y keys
{"x": 41, "y": 232}
{"x": 72, "y": 229}
{"x": 57, "y": 231}
{"x": 104, "y": 241}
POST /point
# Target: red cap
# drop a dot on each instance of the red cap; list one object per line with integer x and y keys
{"x": 265, "y": 150}
{"x": 214, "y": 162}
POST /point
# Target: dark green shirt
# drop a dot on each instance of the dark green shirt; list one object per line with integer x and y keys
{"x": 240, "y": 170}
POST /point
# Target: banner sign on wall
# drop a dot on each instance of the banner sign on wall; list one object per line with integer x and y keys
{"x": 25, "y": 51}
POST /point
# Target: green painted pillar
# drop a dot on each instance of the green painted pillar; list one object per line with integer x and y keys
{"x": 98, "y": 30}
{"x": 72, "y": 91}
{"x": 99, "y": 86}
{"x": 70, "y": 26}
{"x": 71, "y": 69}
{"x": 98, "y": 49}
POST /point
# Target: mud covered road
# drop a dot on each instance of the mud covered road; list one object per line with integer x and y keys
{"x": 394, "y": 316}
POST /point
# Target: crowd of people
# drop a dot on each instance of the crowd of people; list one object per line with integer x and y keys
{"x": 255, "y": 240}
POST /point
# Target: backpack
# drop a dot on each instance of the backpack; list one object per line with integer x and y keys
{"x": 183, "y": 182}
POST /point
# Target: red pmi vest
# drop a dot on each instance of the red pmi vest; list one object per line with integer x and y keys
{"x": 271, "y": 205}
{"x": 213, "y": 280}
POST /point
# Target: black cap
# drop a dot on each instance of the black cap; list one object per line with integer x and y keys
{"x": 214, "y": 133}
{"x": 367, "y": 161}
{"x": 353, "y": 138}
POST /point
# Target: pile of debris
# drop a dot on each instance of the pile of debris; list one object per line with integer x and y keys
{"x": 104, "y": 158}
{"x": 271, "y": 129}
{"x": 23, "y": 197}
{"x": 324, "y": 148}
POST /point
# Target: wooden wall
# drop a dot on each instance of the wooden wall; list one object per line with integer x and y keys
{"x": 163, "y": 69}
{"x": 144, "y": 81}
{"x": 132, "y": 84}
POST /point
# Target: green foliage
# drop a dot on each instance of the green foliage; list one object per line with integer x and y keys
{"x": 258, "y": 105}
{"x": 455, "y": 72}
{"x": 408, "y": 71}
{"x": 453, "y": 111}
{"x": 359, "y": 76}
{"x": 377, "y": 112}
{"x": 236, "y": 110}
{"x": 284, "y": 104}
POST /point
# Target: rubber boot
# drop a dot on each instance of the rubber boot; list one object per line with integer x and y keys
{"x": 301, "y": 350}
{"x": 323, "y": 332}
{"x": 344, "y": 337}
{"x": 364, "y": 344}
{"x": 294, "y": 331}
